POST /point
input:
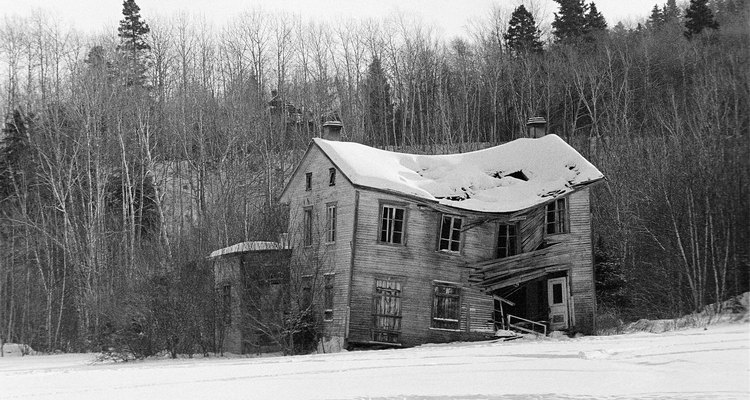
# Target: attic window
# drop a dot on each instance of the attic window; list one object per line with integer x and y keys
{"x": 519, "y": 175}
{"x": 308, "y": 181}
{"x": 331, "y": 176}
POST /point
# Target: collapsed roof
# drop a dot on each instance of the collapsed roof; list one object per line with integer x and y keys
{"x": 502, "y": 179}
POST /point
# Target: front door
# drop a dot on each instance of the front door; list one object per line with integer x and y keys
{"x": 557, "y": 297}
{"x": 386, "y": 311}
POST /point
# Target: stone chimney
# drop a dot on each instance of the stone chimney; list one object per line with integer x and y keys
{"x": 332, "y": 130}
{"x": 537, "y": 127}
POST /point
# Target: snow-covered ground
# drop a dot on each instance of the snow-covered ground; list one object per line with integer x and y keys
{"x": 687, "y": 364}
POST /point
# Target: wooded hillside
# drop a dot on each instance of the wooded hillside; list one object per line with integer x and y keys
{"x": 126, "y": 159}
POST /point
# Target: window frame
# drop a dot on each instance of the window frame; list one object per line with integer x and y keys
{"x": 559, "y": 209}
{"x": 441, "y": 323}
{"x": 390, "y": 230}
{"x": 308, "y": 181}
{"x": 452, "y": 230}
{"x": 307, "y": 226}
{"x": 332, "y": 176}
{"x": 331, "y": 221}
{"x": 329, "y": 284}
{"x": 517, "y": 243}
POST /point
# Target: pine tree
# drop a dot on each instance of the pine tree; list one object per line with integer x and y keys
{"x": 570, "y": 21}
{"x": 379, "y": 118}
{"x": 523, "y": 35}
{"x": 133, "y": 46}
{"x": 656, "y": 19}
{"x": 670, "y": 12}
{"x": 699, "y": 17}
{"x": 595, "y": 22}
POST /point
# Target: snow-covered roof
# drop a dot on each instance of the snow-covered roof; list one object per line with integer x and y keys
{"x": 501, "y": 179}
{"x": 245, "y": 247}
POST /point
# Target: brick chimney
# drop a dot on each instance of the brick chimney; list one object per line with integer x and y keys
{"x": 332, "y": 130}
{"x": 537, "y": 127}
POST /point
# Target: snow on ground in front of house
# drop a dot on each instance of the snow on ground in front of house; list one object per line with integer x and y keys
{"x": 688, "y": 364}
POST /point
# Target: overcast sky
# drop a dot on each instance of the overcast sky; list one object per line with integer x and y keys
{"x": 452, "y": 16}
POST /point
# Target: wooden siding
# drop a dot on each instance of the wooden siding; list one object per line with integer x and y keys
{"x": 331, "y": 257}
{"x": 417, "y": 264}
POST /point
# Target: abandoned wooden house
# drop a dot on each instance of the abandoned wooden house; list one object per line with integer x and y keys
{"x": 414, "y": 249}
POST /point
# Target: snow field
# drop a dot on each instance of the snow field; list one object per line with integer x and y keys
{"x": 688, "y": 364}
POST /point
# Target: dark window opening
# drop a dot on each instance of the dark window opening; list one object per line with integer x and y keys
{"x": 556, "y": 217}
{"x": 450, "y": 233}
{"x": 328, "y": 297}
{"x": 308, "y": 181}
{"x": 332, "y": 177}
{"x": 330, "y": 223}
{"x": 507, "y": 240}
{"x": 307, "y": 227}
{"x": 392, "y": 225}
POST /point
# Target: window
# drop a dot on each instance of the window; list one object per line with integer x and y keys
{"x": 308, "y": 181}
{"x": 307, "y": 224}
{"x": 450, "y": 233}
{"x": 446, "y": 305}
{"x": 331, "y": 176}
{"x": 328, "y": 297}
{"x": 330, "y": 223}
{"x": 507, "y": 240}
{"x": 556, "y": 217}
{"x": 392, "y": 225}
{"x": 386, "y": 316}
{"x": 306, "y": 292}
{"x": 226, "y": 303}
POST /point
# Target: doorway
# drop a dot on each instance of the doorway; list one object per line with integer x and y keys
{"x": 557, "y": 298}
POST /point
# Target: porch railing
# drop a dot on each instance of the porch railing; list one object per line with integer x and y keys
{"x": 533, "y": 325}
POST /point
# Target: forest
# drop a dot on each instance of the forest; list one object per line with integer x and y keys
{"x": 126, "y": 158}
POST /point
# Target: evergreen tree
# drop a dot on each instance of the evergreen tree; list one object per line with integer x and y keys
{"x": 594, "y": 20}
{"x": 671, "y": 13}
{"x": 523, "y": 35}
{"x": 699, "y": 17}
{"x": 656, "y": 19}
{"x": 133, "y": 46}
{"x": 379, "y": 110}
{"x": 570, "y": 21}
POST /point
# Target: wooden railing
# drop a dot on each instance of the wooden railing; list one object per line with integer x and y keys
{"x": 534, "y": 325}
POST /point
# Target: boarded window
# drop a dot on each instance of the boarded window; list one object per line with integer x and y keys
{"x": 226, "y": 304}
{"x": 328, "y": 297}
{"x": 556, "y": 217}
{"x": 446, "y": 306}
{"x": 386, "y": 316}
{"x": 308, "y": 181}
{"x": 507, "y": 240}
{"x": 450, "y": 233}
{"x": 307, "y": 226}
{"x": 331, "y": 176}
{"x": 331, "y": 223}
{"x": 392, "y": 225}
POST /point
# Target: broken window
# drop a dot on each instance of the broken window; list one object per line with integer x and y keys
{"x": 330, "y": 222}
{"x": 450, "y": 233}
{"x": 392, "y": 224}
{"x": 331, "y": 176}
{"x": 446, "y": 305}
{"x": 308, "y": 181}
{"x": 556, "y": 217}
{"x": 386, "y": 315}
{"x": 507, "y": 240}
{"x": 307, "y": 226}
{"x": 328, "y": 297}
